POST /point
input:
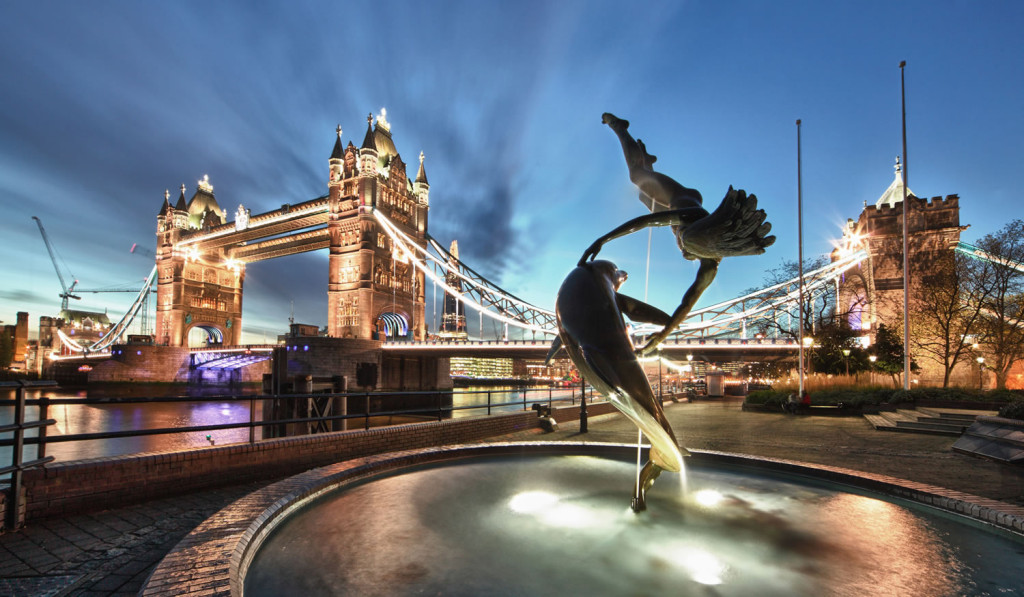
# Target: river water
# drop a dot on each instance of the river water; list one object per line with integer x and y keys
{"x": 98, "y": 417}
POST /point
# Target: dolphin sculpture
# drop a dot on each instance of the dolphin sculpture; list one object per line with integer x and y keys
{"x": 592, "y": 331}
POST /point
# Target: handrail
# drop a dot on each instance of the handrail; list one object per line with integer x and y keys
{"x": 424, "y": 412}
{"x": 15, "y": 516}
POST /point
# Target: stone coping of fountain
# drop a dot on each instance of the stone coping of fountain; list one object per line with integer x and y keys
{"x": 213, "y": 558}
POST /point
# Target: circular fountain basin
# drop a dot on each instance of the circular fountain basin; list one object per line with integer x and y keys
{"x": 542, "y": 524}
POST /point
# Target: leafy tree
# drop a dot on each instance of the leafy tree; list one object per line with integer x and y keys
{"x": 946, "y": 310}
{"x": 888, "y": 347}
{"x": 829, "y": 342}
{"x": 1002, "y": 330}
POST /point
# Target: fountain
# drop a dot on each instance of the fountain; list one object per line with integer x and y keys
{"x": 550, "y": 519}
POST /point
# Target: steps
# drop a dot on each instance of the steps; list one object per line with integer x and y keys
{"x": 935, "y": 421}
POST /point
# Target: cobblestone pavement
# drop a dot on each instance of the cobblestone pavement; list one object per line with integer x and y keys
{"x": 112, "y": 552}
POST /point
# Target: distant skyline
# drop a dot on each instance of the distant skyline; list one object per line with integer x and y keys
{"x": 108, "y": 104}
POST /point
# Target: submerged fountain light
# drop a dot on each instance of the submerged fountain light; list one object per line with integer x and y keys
{"x": 552, "y": 511}
{"x": 703, "y": 566}
{"x": 529, "y": 502}
{"x": 708, "y": 497}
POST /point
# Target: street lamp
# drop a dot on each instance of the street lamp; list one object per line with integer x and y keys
{"x": 808, "y": 343}
{"x": 872, "y": 358}
{"x": 846, "y": 358}
{"x": 981, "y": 373}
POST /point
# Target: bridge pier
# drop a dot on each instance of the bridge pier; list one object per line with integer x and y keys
{"x": 363, "y": 363}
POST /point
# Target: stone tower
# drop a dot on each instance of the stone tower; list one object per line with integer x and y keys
{"x": 195, "y": 290}
{"x": 873, "y": 292}
{"x": 373, "y": 291}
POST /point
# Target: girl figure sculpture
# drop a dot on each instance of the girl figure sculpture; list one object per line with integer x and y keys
{"x": 736, "y": 227}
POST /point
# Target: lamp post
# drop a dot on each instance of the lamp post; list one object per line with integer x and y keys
{"x": 800, "y": 254}
{"x": 906, "y": 245}
{"x": 872, "y": 358}
{"x": 981, "y": 373}
{"x": 846, "y": 359}
{"x": 806, "y": 344}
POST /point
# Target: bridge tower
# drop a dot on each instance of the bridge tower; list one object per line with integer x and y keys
{"x": 453, "y": 313}
{"x": 873, "y": 293}
{"x": 374, "y": 291}
{"x": 195, "y": 289}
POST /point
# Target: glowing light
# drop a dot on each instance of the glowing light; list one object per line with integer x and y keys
{"x": 708, "y": 498}
{"x": 204, "y": 184}
{"x": 703, "y": 566}
{"x": 547, "y": 508}
{"x": 529, "y": 502}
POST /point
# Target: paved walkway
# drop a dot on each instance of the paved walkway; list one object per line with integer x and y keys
{"x": 112, "y": 552}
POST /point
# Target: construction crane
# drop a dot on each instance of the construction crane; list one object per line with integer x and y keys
{"x": 67, "y": 291}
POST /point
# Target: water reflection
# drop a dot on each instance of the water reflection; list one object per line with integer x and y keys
{"x": 103, "y": 417}
{"x": 511, "y": 399}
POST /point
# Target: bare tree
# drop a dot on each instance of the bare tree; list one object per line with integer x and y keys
{"x": 946, "y": 310}
{"x": 1002, "y": 329}
{"x": 819, "y": 307}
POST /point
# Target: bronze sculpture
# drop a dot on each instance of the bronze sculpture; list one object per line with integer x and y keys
{"x": 590, "y": 310}
{"x": 592, "y": 330}
{"x": 736, "y": 227}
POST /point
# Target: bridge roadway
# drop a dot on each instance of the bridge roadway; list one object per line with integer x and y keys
{"x": 708, "y": 349}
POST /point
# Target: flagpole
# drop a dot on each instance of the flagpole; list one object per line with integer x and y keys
{"x": 906, "y": 244}
{"x": 800, "y": 254}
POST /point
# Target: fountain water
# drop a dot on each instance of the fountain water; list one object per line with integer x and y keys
{"x": 556, "y": 525}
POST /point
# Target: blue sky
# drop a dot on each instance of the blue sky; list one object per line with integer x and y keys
{"x": 107, "y": 104}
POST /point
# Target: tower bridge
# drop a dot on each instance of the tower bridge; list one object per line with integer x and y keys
{"x": 373, "y": 221}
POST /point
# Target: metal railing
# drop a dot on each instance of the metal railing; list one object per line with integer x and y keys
{"x": 441, "y": 405}
{"x": 17, "y": 427}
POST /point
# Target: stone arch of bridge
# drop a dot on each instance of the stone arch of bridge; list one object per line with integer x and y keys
{"x": 390, "y": 325}
{"x": 201, "y": 334}
{"x": 855, "y": 301}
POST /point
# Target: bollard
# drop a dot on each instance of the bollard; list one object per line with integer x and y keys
{"x": 15, "y": 511}
{"x": 583, "y": 406}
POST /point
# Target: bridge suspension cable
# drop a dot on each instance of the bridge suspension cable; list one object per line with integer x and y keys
{"x": 481, "y": 295}
{"x": 478, "y": 293}
{"x": 117, "y": 331}
{"x": 976, "y": 253}
{"x": 749, "y": 310}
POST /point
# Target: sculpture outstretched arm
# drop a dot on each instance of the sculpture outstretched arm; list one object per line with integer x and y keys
{"x": 705, "y": 275}
{"x": 676, "y": 217}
